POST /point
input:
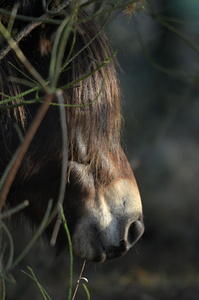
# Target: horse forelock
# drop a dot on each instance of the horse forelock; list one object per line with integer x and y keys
{"x": 94, "y": 121}
{"x": 93, "y": 113}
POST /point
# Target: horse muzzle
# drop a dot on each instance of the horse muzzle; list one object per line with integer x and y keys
{"x": 112, "y": 224}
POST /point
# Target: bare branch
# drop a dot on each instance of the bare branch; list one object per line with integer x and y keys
{"x": 23, "y": 33}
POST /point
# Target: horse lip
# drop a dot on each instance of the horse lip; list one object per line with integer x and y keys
{"x": 115, "y": 254}
{"x": 100, "y": 258}
{"x": 100, "y": 251}
{"x": 107, "y": 255}
{"x": 117, "y": 251}
{"x": 110, "y": 252}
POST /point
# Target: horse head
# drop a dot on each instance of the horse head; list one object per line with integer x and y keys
{"x": 102, "y": 202}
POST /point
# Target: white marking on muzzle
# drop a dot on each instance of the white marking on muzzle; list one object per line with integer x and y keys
{"x": 107, "y": 220}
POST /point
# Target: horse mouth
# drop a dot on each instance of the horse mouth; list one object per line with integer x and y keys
{"x": 106, "y": 252}
{"x": 116, "y": 251}
{"x": 97, "y": 245}
{"x": 100, "y": 253}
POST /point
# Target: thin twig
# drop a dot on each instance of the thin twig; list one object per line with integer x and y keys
{"x": 64, "y": 166}
{"x": 38, "y": 233}
{"x": 14, "y": 210}
{"x": 11, "y": 245}
{"x": 45, "y": 295}
{"x": 90, "y": 42}
{"x": 58, "y": 51}
{"x": 31, "y": 19}
{"x": 58, "y": 10}
{"x": 174, "y": 30}
{"x": 78, "y": 281}
{"x": 153, "y": 63}
{"x": 70, "y": 252}
{"x": 23, "y": 33}
{"x": 23, "y": 59}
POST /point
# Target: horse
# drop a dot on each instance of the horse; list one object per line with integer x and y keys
{"x": 102, "y": 202}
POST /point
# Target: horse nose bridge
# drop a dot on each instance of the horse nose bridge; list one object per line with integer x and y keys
{"x": 123, "y": 198}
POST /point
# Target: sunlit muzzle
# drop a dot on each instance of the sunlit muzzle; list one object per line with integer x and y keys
{"x": 112, "y": 224}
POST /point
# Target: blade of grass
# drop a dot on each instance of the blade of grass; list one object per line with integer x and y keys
{"x": 35, "y": 237}
{"x": 7, "y": 170}
{"x": 105, "y": 62}
{"x": 55, "y": 51}
{"x": 86, "y": 46}
{"x": 3, "y": 289}
{"x": 87, "y": 291}
{"x": 12, "y": 17}
{"x": 21, "y": 72}
{"x": 11, "y": 246}
{"x": 21, "y": 95}
{"x": 70, "y": 252}
{"x": 45, "y": 295}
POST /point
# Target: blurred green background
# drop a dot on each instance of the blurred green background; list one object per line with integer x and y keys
{"x": 159, "y": 71}
{"x": 159, "y": 56}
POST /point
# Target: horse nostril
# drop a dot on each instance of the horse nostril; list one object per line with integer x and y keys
{"x": 135, "y": 231}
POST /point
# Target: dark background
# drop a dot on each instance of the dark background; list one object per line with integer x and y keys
{"x": 159, "y": 73}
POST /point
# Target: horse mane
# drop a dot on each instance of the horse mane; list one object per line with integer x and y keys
{"x": 100, "y": 121}
{"x": 94, "y": 106}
